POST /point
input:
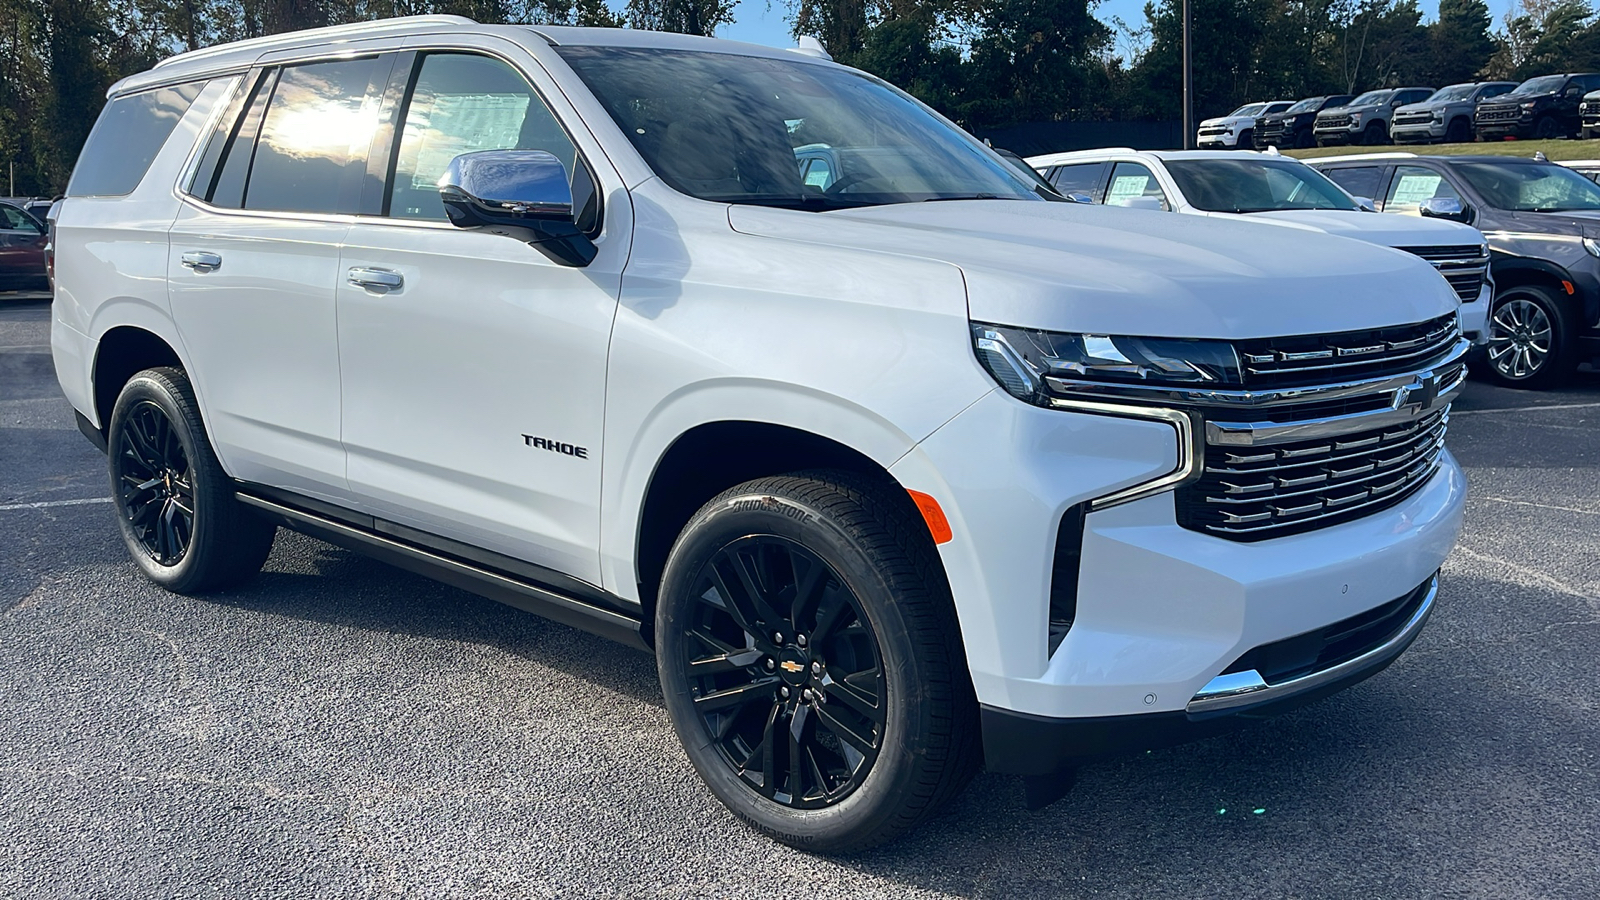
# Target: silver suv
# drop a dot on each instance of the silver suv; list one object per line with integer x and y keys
{"x": 1446, "y": 116}
{"x": 1364, "y": 120}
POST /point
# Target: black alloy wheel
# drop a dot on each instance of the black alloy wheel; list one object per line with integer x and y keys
{"x": 1376, "y": 133}
{"x": 785, "y": 672}
{"x": 1530, "y": 343}
{"x": 1458, "y": 132}
{"x": 1547, "y": 128}
{"x": 1246, "y": 139}
{"x": 175, "y": 505}
{"x": 155, "y": 491}
{"x": 811, "y": 660}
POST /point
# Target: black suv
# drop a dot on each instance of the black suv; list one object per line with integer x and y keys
{"x": 1543, "y": 225}
{"x": 1291, "y": 129}
{"x": 1545, "y": 107}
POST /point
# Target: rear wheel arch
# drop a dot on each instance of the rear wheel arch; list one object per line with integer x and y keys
{"x": 123, "y": 352}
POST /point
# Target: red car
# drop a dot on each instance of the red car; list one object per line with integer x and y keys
{"x": 22, "y": 251}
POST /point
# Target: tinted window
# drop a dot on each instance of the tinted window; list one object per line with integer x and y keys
{"x": 1131, "y": 181}
{"x": 14, "y": 219}
{"x": 1080, "y": 178}
{"x": 1357, "y": 181}
{"x": 462, "y": 104}
{"x": 1495, "y": 90}
{"x": 1544, "y": 84}
{"x": 318, "y": 125}
{"x": 1370, "y": 98}
{"x": 1310, "y": 104}
{"x": 1454, "y": 92}
{"x": 724, "y": 127}
{"x": 1531, "y": 187}
{"x": 1414, "y": 184}
{"x": 126, "y": 139}
{"x": 1255, "y": 185}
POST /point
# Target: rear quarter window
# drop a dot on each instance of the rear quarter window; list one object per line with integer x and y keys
{"x": 126, "y": 138}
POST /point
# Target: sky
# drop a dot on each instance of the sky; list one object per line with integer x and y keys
{"x": 761, "y": 22}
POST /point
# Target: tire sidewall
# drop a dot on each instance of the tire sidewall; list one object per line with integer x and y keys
{"x": 872, "y": 801}
{"x": 145, "y": 387}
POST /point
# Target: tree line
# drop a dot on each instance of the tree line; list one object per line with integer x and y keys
{"x": 984, "y": 63}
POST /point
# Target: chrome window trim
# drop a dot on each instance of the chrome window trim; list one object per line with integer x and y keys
{"x": 1187, "y": 469}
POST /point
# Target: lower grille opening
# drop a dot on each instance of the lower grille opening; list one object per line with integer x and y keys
{"x": 1327, "y": 647}
{"x": 1064, "y": 575}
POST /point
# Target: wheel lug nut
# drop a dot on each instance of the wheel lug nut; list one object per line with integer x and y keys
{"x": 800, "y": 639}
{"x": 777, "y": 637}
{"x": 816, "y": 668}
{"x": 771, "y": 665}
{"x": 784, "y": 692}
{"x": 806, "y": 695}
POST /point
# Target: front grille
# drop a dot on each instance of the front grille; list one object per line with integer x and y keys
{"x": 1344, "y": 356}
{"x": 1463, "y": 266}
{"x": 1413, "y": 118}
{"x": 1251, "y": 493}
{"x": 1498, "y": 115}
{"x": 1331, "y": 645}
{"x": 1333, "y": 121}
{"x": 1214, "y": 129}
{"x": 1590, "y": 108}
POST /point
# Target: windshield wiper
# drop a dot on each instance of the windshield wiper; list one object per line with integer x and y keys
{"x": 963, "y": 197}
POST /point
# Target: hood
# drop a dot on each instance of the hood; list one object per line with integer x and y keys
{"x": 1507, "y": 100}
{"x": 1076, "y": 267}
{"x": 1229, "y": 120}
{"x": 1374, "y": 228}
{"x": 1426, "y": 106}
{"x": 1570, "y": 224}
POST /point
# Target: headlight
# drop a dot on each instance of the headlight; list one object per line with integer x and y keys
{"x": 1355, "y": 118}
{"x": 1530, "y": 104}
{"x": 1033, "y": 365}
{"x": 1592, "y": 245}
{"x": 1438, "y": 115}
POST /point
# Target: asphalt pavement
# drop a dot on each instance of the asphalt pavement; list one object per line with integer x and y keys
{"x": 338, "y": 728}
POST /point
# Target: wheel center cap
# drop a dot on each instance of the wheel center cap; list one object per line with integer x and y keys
{"x": 792, "y": 666}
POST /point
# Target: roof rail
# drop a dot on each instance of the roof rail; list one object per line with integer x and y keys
{"x": 290, "y": 38}
{"x": 1395, "y": 154}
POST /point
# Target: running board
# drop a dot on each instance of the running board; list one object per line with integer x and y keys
{"x": 484, "y": 582}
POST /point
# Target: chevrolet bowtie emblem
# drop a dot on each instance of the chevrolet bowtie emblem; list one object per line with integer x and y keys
{"x": 790, "y": 666}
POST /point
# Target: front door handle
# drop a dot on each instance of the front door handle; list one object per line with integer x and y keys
{"x": 201, "y": 260}
{"x": 381, "y": 280}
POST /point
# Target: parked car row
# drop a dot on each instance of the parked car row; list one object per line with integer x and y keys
{"x": 1546, "y": 107}
{"x": 23, "y": 264}
{"x": 1530, "y": 291}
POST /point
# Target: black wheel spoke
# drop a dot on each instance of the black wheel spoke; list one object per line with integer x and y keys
{"x": 155, "y": 491}
{"x": 784, "y": 671}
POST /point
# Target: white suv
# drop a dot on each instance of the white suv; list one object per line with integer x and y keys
{"x": 1275, "y": 190}
{"x": 891, "y": 487}
{"x": 1236, "y": 130}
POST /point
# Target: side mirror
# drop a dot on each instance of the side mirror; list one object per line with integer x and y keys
{"x": 1366, "y": 204}
{"x": 1080, "y": 197}
{"x": 524, "y": 194}
{"x": 1445, "y": 208}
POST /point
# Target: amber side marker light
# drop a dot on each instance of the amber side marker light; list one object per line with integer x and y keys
{"x": 938, "y": 525}
{"x": 1567, "y": 286}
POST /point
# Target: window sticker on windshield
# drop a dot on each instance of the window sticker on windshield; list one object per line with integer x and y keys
{"x": 461, "y": 123}
{"x": 1415, "y": 188}
{"x": 1126, "y": 187}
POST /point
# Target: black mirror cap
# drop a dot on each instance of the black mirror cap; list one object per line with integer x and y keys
{"x": 521, "y": 194}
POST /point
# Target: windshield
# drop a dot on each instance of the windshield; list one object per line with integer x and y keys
{"x": 1528, "y": 187}
{"x": 1453, "y": 92}
{"x": 1309, "y": 104}
{"x": 1370, "y": 98}
{"x": 1249, "y": 109}
{"x": 794, "y": 134}
{"x": 1544, "y": 84}
{"x": 1255, "y": 185}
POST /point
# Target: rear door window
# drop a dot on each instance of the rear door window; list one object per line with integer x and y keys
{"x": 13, "y": 219}
{"x": 1078, "y": 178}
{"x": 126, "y": 138}
{"x": 315, "y": 135}
{"x": 1132, "y": 181}
{"x": 1357, "y": 181}
{"x": 1414, "y": 184}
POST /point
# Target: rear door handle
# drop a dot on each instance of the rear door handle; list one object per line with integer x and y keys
{"x": 381, "y": 280}
{"x": 201, "y": 260}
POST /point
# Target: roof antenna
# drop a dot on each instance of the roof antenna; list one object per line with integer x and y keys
{"x": 1539, "y": 155}
{"x": 810, "y": 46}
{"x": 1272, "y": 150}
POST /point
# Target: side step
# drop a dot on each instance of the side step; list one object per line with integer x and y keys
{"x": 485, "y": 582}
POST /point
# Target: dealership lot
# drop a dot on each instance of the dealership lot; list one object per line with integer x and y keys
{"x": 340, "y": 728}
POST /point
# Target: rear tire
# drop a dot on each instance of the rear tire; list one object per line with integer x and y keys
{"x": 175, "y": 505}
{"x": 811, "y": 660}
{"x": 1531, "y": 340}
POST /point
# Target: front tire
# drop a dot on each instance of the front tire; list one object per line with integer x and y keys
{"x": 1547, "y": 128}
{"x": 1376, "y": 134}
{"x": 175, "y": 505}
{"x": 1530, "y": 340}
{"x": 1458, "y": 132}
{"x": 811, "y": 661}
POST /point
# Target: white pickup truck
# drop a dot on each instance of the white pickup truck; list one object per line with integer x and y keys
{"x": 898, "y": 470}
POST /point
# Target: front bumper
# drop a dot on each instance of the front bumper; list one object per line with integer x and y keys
{"x": 1227, "y": 140}
{"x": 1475, "y": 315}
{"x": 1504, "y": 128}
{"x": 1342, "y": 134}
{"x": 1420, "y": 133}
{"x": 1023, "y": 744}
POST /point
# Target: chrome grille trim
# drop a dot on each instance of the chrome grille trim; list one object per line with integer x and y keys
{"x": 1464, "y": 267}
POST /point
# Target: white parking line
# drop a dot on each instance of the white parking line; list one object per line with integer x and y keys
{"x": 46, "y": 504}
{"x": 1515, "y": 409}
